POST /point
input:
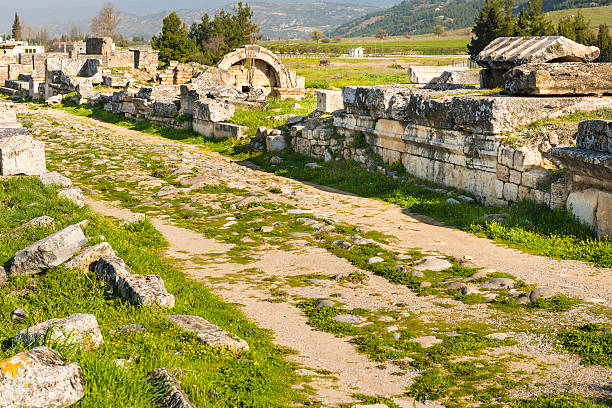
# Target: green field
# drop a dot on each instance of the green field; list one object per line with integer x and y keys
{"x": 597, "y": 15}
{"x": 451, "y": 43}
{"x": 344, "y": 71}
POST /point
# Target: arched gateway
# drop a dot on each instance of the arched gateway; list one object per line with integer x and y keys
{"x": 253, "y": 66}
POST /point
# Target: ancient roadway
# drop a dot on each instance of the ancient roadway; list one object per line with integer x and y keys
{"x": 96, "y": 155}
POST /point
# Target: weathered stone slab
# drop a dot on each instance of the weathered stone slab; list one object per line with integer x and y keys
{"x": 568, "y": 78}
{"x": 144, "y": 290}
{"x": 88, "y": 258}
{"x": 213, "y": 110}
{"x": 20, "y": 153}
{"x": 81, "y": 329}
{"x": 40, "y": 378}
{"x": 595, "y": 134}
{"x": 209, "y": 333}
{"x": 38, "y": 222}
{"x": 275, "y": 143}
{"x": 509, "y": 52}
{"x": 51, "y": 251}
{"x": 169, "y": 388}
{"x": 424, "y": 74}
{"x": 329, "y": 101}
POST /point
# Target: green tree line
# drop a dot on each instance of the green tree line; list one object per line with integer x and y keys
{"x": 496, "y": 19}
{"x": 209, "y": 40}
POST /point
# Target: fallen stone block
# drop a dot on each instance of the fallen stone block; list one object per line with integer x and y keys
{"x": 88, "y": 258}
{"x": 3, "y": 277}
{"x": 245, "y": 202}
{"x": 509, "y": 52}
{"x": 329, "y": 101}
{"x": 51, "y": 251}
{"x": 567, "y": 78}
{"x": 38, "y": 222}
{"x": 20, "y": 153}
{"x": 144, "y": 290}
{"x": 74, "y": 194}
{"x": 40, "y": 378}
{"x": 596, "y": 135}
{"x": 275, "y": 143}
{"x": 81, "y": 329}
{"x": 54, "y": 178}
{"x": 169, "y": 389}
{"x": 208, "y": 333}
{"x": 54, "y": 100}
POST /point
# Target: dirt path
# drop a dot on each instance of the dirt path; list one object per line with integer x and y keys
{"x": 159, "y": 177}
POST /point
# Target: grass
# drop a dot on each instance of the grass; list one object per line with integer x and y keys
{"x": 210, "y": 377}
{"x": 592, "y": 342}
{"x": 452, "y": 43}
{"x": 344, "y": 72}
{"x": 597, "y": 15}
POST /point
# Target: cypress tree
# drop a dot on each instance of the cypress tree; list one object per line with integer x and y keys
{"x": 17, "y": 35}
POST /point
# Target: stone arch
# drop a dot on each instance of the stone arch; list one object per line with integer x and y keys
{"x": 277, "y": 73}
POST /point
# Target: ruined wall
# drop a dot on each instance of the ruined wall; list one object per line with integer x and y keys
{"x": 452, "y": 140}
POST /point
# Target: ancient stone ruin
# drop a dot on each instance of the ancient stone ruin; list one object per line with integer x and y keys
{"x": 464, "y": 139}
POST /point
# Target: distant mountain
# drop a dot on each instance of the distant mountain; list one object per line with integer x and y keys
{"x": 421, "y": 16}
{"x": 277, "y": 20}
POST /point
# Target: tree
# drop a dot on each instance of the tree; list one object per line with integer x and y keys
{"x": 75, "y": 34}
{"x": 381, "y": 34}
{"x": 17, "y": 32}
{"x": 316, "y": 35}
{"x": 106, "y": 22}
{"x": 224, "y": 32}
{"x": 538, "y": 24}
{"x": 174, "y": 43}
{"x": 494, "y": 20}
{"x": 604, "y": 42}
{"x": 439, "y": 30}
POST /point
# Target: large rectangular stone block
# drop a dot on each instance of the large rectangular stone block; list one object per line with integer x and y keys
{"x": 568, "y": 78}
{"x": 329, "y": 101}
{"x": 595, "y": 135}
{"x": 20, "y": 153}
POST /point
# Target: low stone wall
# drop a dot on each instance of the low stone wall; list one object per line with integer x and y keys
{"x": 455, "y": 141}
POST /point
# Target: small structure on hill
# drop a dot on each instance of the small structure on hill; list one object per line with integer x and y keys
{"x": 356, "y": 52}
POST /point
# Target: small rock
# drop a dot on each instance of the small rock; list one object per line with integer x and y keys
{"x": 498, "y": 283}
{"x": 426, "y": 341}
{"x": 522, "y": 299}
{"x": 498, "y": 218}
{"x": 541, "y": 293}
{"x": 325, "y": 303}
{"x": 276, "y": 160}
{"x": 73, "y": 194}
{"x": 468, "y": 257}
{"x": 417, "y": 274}
{"x": 452, "y": 201}
{"x": 374, "y": 259}
{"x": 3, "y": 277}
{"x": 312, "y": 166}
{"x": 391, "y": 329}
{"x": 245, "y": 202}
{"x": 466, "y": 199}
{"x": 455, "y": 286}
{"x": 567, "y": 287}
{"x": 134, "y": 219}
{"x": 349, "y": 318}
{"x": 54, "y": 178}
{"x": 19, "y": 315}
{"x": 397, "y": 336}
{"x": 40, "y": 377}
{"x": 132, "y": 328}
{"x": 267, "y": 229}
{"x": 470, "y": 291}
{"x": 481, "y": 274}
{"x": 432, "y": 263}
{"x": 425, "y": 284}
{"x": 498, "y": 336}
{"x": 593, "y": 300}
{"x": 38, "y": 222}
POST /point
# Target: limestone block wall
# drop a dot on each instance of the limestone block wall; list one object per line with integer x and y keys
{"x": 452, "y": 140}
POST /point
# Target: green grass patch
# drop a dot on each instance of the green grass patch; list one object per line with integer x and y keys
{"x": 592, "y": 342}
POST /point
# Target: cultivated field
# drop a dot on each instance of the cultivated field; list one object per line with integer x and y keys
{"x": 454, "y": 42}
{"x": 597, "y": 15}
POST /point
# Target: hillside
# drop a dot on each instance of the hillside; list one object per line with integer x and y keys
{"x": 421, "y": 16}
{"x": 277, "y": 20}
{"x": 597, "y": 15}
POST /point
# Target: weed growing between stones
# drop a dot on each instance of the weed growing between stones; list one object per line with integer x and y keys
{"x": 258, "y": 378}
